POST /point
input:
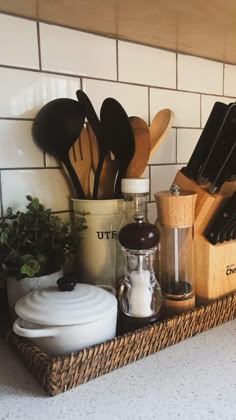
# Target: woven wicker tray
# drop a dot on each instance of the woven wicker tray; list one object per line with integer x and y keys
{"x": 59, "y": 374}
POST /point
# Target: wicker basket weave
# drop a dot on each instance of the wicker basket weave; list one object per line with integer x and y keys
{"x": 59, "y": 374}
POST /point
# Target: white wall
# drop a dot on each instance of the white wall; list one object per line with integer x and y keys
{"x": 40, "y": 62}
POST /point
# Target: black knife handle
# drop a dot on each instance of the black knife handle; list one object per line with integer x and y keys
{"x": 222, "y": 218}
{"x": 205, "y": 141}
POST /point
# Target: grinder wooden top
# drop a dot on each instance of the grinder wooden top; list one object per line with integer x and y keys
{"x": 176, "y": 210}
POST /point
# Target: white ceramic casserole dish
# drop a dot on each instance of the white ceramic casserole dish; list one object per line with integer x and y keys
{"x": 64, "y": 322}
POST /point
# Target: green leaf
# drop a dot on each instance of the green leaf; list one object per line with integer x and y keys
{"x": 4, "y": 238}
{"x": 31, "y": 268}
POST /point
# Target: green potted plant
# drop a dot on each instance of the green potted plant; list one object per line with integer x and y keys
{"x": 34, "y": 246}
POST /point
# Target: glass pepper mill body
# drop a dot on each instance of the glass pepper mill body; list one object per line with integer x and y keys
{"x": 175, "y": 210}
{"x": 139, "y": 293}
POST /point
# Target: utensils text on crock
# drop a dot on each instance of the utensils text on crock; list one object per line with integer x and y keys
{"x": 80, "y": 157}
{"x": 160, "y": 127}
{"x": 142, "y": 147}
{"x": 119, "y": 135}
{"x": 109, "y": 168}
{"x": 88, "y": 111}
{"x": 56, "y": 127}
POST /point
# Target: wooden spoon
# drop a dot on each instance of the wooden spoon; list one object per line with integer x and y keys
{"x": 142, "y": 148}
{"x": 80, "y": 157}
{"x": 55, "y": 129}
{"x": 109, "y": 168}
{"x": 160, "y": 127}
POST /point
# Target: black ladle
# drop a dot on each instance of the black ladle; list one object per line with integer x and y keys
{"x": 87, "y": 110}
{"x": 55, "y": 129}
{"x": 118, "y": 133}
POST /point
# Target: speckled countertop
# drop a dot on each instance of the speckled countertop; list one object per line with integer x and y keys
{"x": 195, "y": 379}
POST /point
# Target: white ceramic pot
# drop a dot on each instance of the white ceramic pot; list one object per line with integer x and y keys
{"x": 18, "y": 288}
{"x": 96, "y": 256}
{"x": 64, "y": 322}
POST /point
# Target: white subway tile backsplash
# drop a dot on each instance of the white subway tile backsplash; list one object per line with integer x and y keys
{"x": 51, "y": 162}
{"x": 208, "y": 103}
{"x": 230, "y": 80}
{"x": 74, "y": 52}
{"x": 152, "y": 212}
{"x": 146, "y": 65}
{"x": 186, "y": 142}
{"x": 89, "y": 61}
{"x": 48, "y": 185}
{"x": 186, "y": 106}
{"x": 199, "y": 75}
{"x": 17, "y": 147}
{"x": 166, "y": 152}
{"x": 134, "y": 99}
{"x": 162, "y": 177}
{"x": 18, "y": 42}
{"x": 23, "y": 93}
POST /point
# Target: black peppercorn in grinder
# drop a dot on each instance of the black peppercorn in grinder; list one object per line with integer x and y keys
{"x": 175, "y": 218}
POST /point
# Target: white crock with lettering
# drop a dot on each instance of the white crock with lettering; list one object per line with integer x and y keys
{"x": 96, "y": 255}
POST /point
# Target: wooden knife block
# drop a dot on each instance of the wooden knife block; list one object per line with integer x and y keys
{"x": 214, "y": 265}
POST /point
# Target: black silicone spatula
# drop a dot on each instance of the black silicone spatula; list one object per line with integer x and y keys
{"x": 88, "y": 111}
{"x": 55, "y": 129}
{"x": 205, "y": 141}
{"x": 119, "y": 134}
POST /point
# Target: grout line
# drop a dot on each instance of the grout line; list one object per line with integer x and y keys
{"x": 39, "y": 46}
{"x": 176, "y": 145}
{"x": 177, "y": 73}
{"x": 201, "y": 111}
{"x": 16, "y": 119}
{"x": 117, "y": 61}
{"x": 111, "y": 36}
{"x": 62, "y": 211}
{"x": 30, "y": 168}
{"x": 1, "y": 203}
{"x": 149, "y": 106}
{"x": 44, "y": 160}
{"x": 76, "y": 76}
{"x": 223, "y": 78}
{"x": 150, "y": 186}
{"x": 82, "y": 87}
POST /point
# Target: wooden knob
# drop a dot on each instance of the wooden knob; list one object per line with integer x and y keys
{"x": 175, "y": 208}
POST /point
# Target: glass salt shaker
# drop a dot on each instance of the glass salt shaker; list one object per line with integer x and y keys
{"x": 135, "y": 192}
{"x": 139, "y": 294}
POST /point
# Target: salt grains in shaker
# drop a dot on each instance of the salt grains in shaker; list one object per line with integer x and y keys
{"x": 139, "y": 293}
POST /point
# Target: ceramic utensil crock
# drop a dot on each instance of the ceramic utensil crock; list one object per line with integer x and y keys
{"x": 64, "y": 322}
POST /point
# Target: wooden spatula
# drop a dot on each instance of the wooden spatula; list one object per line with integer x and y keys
{"x": 109, "y": 168}
{"x": 142, "y": 147}
{"x": 80, "y": 157}
{"x": 160, "y": 126}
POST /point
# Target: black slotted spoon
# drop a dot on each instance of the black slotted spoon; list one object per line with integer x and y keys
{"x": 56, "y": 127}
{"x": 118, "y": 133}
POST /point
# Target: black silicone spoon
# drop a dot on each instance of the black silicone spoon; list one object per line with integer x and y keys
{"x": 87, "y": 110}
{"x": 119, "y": 135}
{"x": 55, "y": 129}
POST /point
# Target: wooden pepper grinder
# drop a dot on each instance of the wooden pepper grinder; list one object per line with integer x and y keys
{"x": 175, "y": 218}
